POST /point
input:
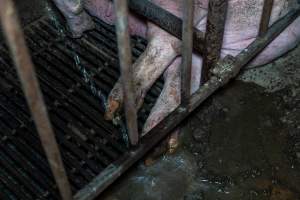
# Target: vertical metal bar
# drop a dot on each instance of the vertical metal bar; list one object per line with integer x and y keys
{"x": 121, "y": 8}
{"x": 265, "y": 17}
{"x": 216, "y": 18}
{"x": 14, "y": 35}
{"x": 187, "y": 51}
{"x": 231, "y": 67}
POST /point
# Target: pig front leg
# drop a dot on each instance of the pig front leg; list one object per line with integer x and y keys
{"x": 168, "y": 100}
{"x": 160, "y": 52}
{"x": 170, "y": 97}
{"x": 77, "y": 19}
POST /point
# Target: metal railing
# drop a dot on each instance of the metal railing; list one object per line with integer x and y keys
{"x": 216, "y": 73}
{"x": 20, "y": 53}
{"x": 126, "y": 70}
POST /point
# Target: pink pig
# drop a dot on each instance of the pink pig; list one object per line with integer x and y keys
{"x": 163, "y": 53}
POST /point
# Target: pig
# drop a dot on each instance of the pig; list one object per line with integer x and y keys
{"x": 163, "y": 53}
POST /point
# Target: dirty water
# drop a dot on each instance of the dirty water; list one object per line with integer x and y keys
{"x": 243, "y": 143}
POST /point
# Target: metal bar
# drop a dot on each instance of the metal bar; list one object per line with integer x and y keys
{"x": 265, "y": 17}
{"x": 229, "y": 66}
{"x": 124, "y": 49}
{"x": 187, "y": 51}
{"x": 228, "y": 69}
{"x": 216, "y": 18}
{"x": 166, "y": 20}
{"x": 25, "y": 68}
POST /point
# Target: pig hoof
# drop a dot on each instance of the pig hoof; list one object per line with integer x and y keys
{"x": 173, "y": 145}
{"x": 169, "y": 146}
{"x": 173, "y": 142}
{"x": 111, "y": 109}
{"x": 79, "y": 24}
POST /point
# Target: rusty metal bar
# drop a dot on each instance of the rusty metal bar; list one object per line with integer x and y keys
{"x": 216, "y": 17}
{"x": 265, "y": 17}
{"x": 166, "y": 20}
{"x": 225, "y": 70}
{"x": 121, "y": 9}
{"x": 16, "y": 42}
{"x": 187, "y": 51}
{"x": 229, "y": 68}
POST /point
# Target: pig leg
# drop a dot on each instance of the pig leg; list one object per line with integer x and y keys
{"x": 162, "y": 49}
{"x": 77, "y": 19}
{"x": 160, "y": 52}
{"x": 169, "y": 99}
{"x": 168, "y": 145}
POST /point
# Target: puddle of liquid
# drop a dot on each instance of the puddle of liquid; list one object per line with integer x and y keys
{"x": 167, "y": 179}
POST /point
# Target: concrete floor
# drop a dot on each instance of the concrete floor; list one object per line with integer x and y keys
{"x": 243, "y": 143}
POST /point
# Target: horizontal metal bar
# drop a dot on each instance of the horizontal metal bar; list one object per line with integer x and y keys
{"x": 166, "y": 20}
{"x": 123, "y": 39}
{"x": 187, "y": 51}
{"x": 226, "y": 69}
{"x": 26, "y": 71}
{"x": 216, "y": 18}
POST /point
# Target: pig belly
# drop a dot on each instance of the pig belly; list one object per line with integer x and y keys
{"x": 242, "y": 25}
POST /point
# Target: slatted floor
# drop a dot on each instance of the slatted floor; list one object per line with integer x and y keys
{"x": 88, "y": 143}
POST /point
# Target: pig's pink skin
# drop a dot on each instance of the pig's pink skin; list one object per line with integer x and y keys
{"x": 242, "y": 25}
{"x": 104, "y": 10}
{"x": 236, "y": 38}
{"x": 69, "y": 7}
{"x": 241, "y": 29}
{"x": 169, "y": 99}
{"x": 77, "y": 19}
{"x": 149, "y": 66}
{"x": 286, "y": 41}
{"x": 161, "y": 51}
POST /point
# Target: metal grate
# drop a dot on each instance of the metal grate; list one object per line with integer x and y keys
{"x": 87, "y": 142}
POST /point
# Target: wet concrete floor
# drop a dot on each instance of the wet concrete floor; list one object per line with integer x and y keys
{"x": 243, "y": 143}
